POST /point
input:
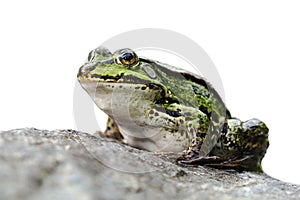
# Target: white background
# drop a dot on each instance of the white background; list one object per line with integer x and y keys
{"x": 255, "y": 46}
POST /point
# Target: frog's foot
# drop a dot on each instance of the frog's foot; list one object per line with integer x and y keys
{"x": 193, "y": 158}
{"x": 112, "y": 131}
{"x": 245, "y": 142}
{"x": 246, "y": 162}
{"x": 237, "y": 163}
{"x": 201, "y": 160}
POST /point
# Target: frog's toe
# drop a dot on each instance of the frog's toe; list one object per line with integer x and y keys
{"x": 200, "y": 160}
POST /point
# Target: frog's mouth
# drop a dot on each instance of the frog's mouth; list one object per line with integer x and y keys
{"x": 119, "y": 79}
{"x": 107, "y": 78}
{"x": 105, "y": 85}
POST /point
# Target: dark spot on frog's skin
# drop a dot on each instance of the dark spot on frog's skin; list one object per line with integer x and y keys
{"x": 120, "y": 86}
{"x": 206, "y": 94}
{"x": 200, "y": 92}
{"x": 182, "y": 132}
{"x": 195, "y": 80}
{"x": 186, "y": 135}
{"x": 181, "y": 121}
{"x": 151, "y": 86}
{"x": 150, "y": 117}
{"x": 195, "y": 89}
{"x": 151, "y": 112}
{"x": 173, "y": 130}
{"x": 225, "y": 128}
{"x": 166, "y": 100}
{"x": 105, "y": 77}
{"x": 137, "y": 87}
{"x": 208, "y": 114}
{"x": 173, "y": 113}
{"x": 201, "y": 135}
{"x": 143, "y": 88}
{"x": 156, "y": 114}
{"x": 204, "y": 109}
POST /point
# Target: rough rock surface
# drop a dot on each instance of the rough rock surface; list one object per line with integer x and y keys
{"x": 66, "y": 164}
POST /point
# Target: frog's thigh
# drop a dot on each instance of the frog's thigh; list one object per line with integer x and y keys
{"x": 244, "y": 143}
{"x": 112, "y": 130}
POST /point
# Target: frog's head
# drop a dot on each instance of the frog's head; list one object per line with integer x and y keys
{"x": 102, "y": 65}
{"x": 121, "y": 80}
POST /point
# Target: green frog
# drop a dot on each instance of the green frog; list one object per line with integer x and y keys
{"x": 165, "y": 109}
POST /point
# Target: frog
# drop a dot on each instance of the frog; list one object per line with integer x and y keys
{"x": 165, "y": 109}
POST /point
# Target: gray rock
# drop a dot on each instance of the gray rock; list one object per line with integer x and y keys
{"x": 66, "y": 164}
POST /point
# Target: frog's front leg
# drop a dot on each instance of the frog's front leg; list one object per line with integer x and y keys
{"x": 112, "y": 130}
{"x": 193, "y": 128}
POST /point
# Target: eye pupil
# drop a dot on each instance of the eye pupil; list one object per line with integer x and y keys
{"x": 127, "y": 56}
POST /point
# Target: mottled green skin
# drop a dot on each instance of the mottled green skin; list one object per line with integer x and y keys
{"x": 182, "y": 107}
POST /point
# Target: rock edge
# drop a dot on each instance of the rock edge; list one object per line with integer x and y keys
{"x": 67, "y": 164}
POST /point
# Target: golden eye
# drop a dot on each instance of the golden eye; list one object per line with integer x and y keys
{"x": 128, "y": 57}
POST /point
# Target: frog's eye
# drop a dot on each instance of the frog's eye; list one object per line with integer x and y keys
{"x": 127, "y": 57}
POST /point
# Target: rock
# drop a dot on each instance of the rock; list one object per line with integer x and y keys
{"x": 66, "y": 164}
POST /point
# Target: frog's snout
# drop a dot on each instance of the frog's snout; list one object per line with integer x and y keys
{"x": 79, "y": 74}
{"x": 84, "y": 70}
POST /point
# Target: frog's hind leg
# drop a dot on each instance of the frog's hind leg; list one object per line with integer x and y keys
{"x": 112, "y": 130}
{"x": 241, "y": 146}
{"x": 243, "y": 143}
{"x": 248, "y": 141}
